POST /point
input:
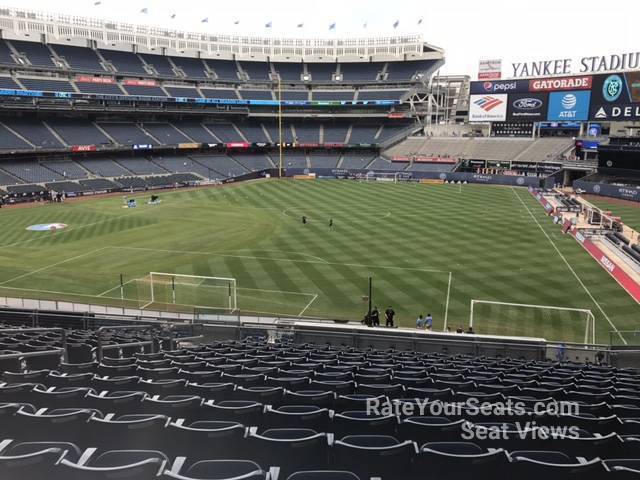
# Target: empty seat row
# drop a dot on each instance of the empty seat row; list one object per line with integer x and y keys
{"x": 210, "y": 443}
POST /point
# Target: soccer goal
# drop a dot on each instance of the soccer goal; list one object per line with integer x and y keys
{"x": 192, "y": 291}
{"x": 576, "y": 325}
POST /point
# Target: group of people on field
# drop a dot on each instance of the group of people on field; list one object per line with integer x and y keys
{"x": 372, "y": 318}
{"x": 424, "y": 323}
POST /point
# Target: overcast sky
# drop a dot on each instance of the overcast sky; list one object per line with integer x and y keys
{"x": 468, "y": 30}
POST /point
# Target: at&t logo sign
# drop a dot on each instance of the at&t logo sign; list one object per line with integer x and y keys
{"x": 569, "y": 101}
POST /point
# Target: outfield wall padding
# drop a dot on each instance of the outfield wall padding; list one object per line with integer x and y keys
{"x": 444, "y": 176}
{"x": 607, "y": 190}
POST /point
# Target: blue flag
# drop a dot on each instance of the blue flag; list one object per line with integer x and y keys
{"x": 396, "y": 23}
{"x": 267, "y": 25}
{"x": 205, "y": 20}
{"x": 332, "y": 26}
{"x": 144, "y": 10}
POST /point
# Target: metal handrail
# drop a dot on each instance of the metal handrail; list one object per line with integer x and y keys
{"x": 100, "y": 330}
{"x": 61, "y": 331}
{"x": 100, "y": 347}
{"x": 24, "y": 355}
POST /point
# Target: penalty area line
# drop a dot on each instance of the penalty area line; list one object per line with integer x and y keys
{"x": 46, "y": 267}
{"x": 118, "y": 286}
{"x": 308, "y": 305}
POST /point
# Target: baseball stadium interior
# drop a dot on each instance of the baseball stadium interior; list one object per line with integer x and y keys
{"x": 267, "y": 350}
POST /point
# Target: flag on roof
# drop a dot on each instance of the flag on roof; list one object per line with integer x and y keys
{"x": 332, "y": 26}
{"x": 268, "y": 24}
{"x": 205, "y": 20}
{"x": 396, "y": 23}
{"x": 144, "y": 10}
{"x": 236, "y": 22}
{"x": 420, "y": 22}
{"x": 97, "y": 3}
{"x": 173, "y": 15}
{"x": 364, "y": 25}
{"x": 300, "y": 25}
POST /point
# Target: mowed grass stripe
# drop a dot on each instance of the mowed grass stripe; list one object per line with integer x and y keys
{"x": 479, "y": 233}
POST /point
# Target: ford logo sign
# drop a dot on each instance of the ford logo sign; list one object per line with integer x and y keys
{"x": 527, "y": 103}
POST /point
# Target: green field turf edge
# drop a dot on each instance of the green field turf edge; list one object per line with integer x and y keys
{"x": 493, "y": 243}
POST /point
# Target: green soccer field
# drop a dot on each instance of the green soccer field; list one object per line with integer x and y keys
{"x": 429, "y": 249}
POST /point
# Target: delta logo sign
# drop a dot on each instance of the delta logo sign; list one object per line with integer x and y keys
{"x": 488, "y": 108}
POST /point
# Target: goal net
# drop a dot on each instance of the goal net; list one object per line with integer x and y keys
{"x": 165, "y": 289}
{"x": 574, "y": 325}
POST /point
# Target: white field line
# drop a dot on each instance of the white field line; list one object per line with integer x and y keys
{"x": 446, "y": 307}
{"x": 277, "y": 291}
{"x": 320, "y": 259}
{"x": 250, "y": 257}
{"x": 286, "y": 211}
{"x": 586, "y": 311}
{"x": 118, "y": 286}
{"x": 569, "y": 266}
{"x": 56, "y": 292}
{"x": 71, "y": 229}
{"x": 98, "y": 222}
{"x": 308, "y": 305}
{"x": 32, "y": 272}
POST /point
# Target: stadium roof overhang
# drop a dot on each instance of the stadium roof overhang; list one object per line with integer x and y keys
{"x": 60, "y": 28}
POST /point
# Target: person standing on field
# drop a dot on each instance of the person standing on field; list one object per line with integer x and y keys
{"x": 375, "y": 317}
{"x": 428, "y": 321}
{"x": 389, "y": 314}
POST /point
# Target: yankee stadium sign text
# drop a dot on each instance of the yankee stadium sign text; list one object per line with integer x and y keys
{"x": 566, "y": 66}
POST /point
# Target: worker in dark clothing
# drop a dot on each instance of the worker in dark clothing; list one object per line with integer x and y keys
{"x": 331, "y": 224}
{"x": 389, "y": 314}
{"x": 304, "y": 219}
{"x": 375, "y": 317}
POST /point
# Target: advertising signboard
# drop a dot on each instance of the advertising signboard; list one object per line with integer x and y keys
{"x": 571, "y": 105}
{"x": 488, "y": 108}
{"x": 527, "y": 107}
